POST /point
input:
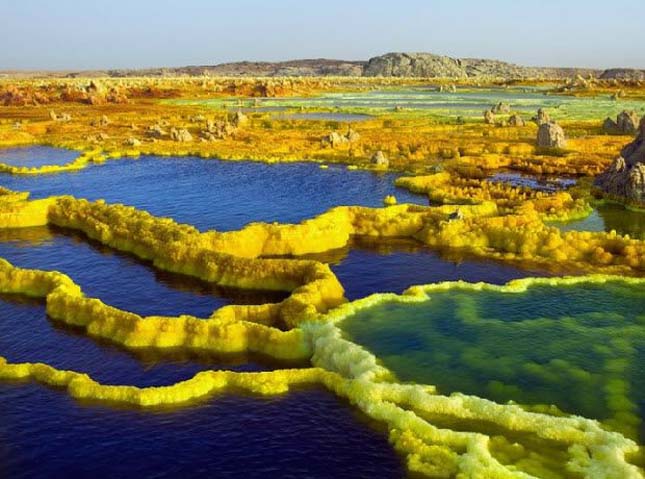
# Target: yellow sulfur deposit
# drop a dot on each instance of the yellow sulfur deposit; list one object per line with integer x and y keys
{"x": 452, "y": 189}
{"x": 439, "y": 436}
{"x": 92, "y": 156}
{"x": 16, "y": 211}
{"x": 230, "y": 329}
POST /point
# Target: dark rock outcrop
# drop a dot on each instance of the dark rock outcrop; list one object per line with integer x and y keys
{"x": 624, "y": 180}
{"x": 380, "y": 160}
{"x": 551, "y": 135}
{"x": 622, "y": 74}
{"x": 609, "y": 125}
{"x": 542, "y": 116}
{"x": 516, "y": 120}
{"x": 414, "y": 65}
{"x": 626, "y": 123}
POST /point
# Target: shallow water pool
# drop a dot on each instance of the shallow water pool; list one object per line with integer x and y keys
{"x": 120, "y": 279}
{"x": 306, "y": 433}
{"x": 368, "y": 266}
{"x": 224, "y": 195}
{"x": 578, "y": 347}
{"x": 35, "y": 156}
{"x": 465, "y": 102}
{"x": 607, "y": 217}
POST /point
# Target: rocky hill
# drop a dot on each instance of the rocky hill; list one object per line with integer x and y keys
{"x": 309, "y": 67}
{"x": 430, "y": 65}
{"x": 623, "y": 74}
{"x": 388, "y": 65}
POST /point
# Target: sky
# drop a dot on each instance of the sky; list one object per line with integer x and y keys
{"x": 96, "y": 34}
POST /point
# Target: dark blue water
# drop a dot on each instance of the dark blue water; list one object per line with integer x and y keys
{"x": 368, "y": 266}
{"x": 43, "y": 433}
{"x": 119, "y": 279}
{"x": 28, "y": 335}
{"x": 309, "y": 433}
{"x": 304, "y": 434}
{"x": 33, "y": 156}
{"x": 219, "y": 194}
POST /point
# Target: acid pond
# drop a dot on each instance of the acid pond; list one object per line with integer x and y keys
{"x": 578, "y": 347}
{"x": 214, "y": 194}
{"x": 608, "y": 217}
{"x": 36, "y": 156}
{"x": 465, "y": 102}
{"x": 306, "y": 433}
{"x": 368, "y": 266}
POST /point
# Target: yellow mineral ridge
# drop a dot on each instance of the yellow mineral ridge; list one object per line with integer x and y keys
{"x": 440, "y": 436}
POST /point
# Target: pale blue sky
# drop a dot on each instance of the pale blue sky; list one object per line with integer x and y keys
{"x": 76, "y": 34}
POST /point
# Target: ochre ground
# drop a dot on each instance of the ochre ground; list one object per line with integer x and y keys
{"x": 445, "y": 160}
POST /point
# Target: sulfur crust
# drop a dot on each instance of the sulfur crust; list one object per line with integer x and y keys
{"x": 431, "y": 451}
{"x": 333, "y": 352}
{"x": 229, "y": 329}
{"x": 521, "y": 236}
{"x": 81, "y": 162}
{"x": 310, "y": 315}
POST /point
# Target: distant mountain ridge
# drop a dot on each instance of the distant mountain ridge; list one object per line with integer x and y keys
{"x": 408, "y": 65}
{"x": 431, "y": 65}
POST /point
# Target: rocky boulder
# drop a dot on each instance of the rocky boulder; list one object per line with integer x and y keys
{"x": 551, "y": 135}
{"x": 489, "y": 117}
{"x": 334, "y": 139}
{"x": 181, "y": 135}
{"x": 624, "y": 180}
{"x": 542, "y": 116}
{"x": 239, "y": 119}
{"x": 501, "y": 107}
{"x": 609, "y": 125}
{"x": 218, "y": 129}
{"x": 352, "y": 135}
{"x": 627, "y": 122}
{"x": 132, "y": 141}
{"x": 634, "y": 152}
{"x": 155, "y": 131}
{"x": 380, "y": 160}
{"x": 516, "y": 120}
{"x": 59, "y": 116}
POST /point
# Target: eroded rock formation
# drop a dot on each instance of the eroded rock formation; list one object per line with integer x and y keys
{"x": 626, "y": 123}
{"x": 181, "y": 135}
{"x": 551, "y": 135}
{"x": 380, "y": 160}
{"x": 542, "y": 116}
{"x": 624, "y": 180}
{"x": 516, "y": 120}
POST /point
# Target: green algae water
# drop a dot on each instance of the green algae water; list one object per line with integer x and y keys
{"x": 580, "y": 348}
{"x": 466, "y": 102}
{"x": 608, "y": 217}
